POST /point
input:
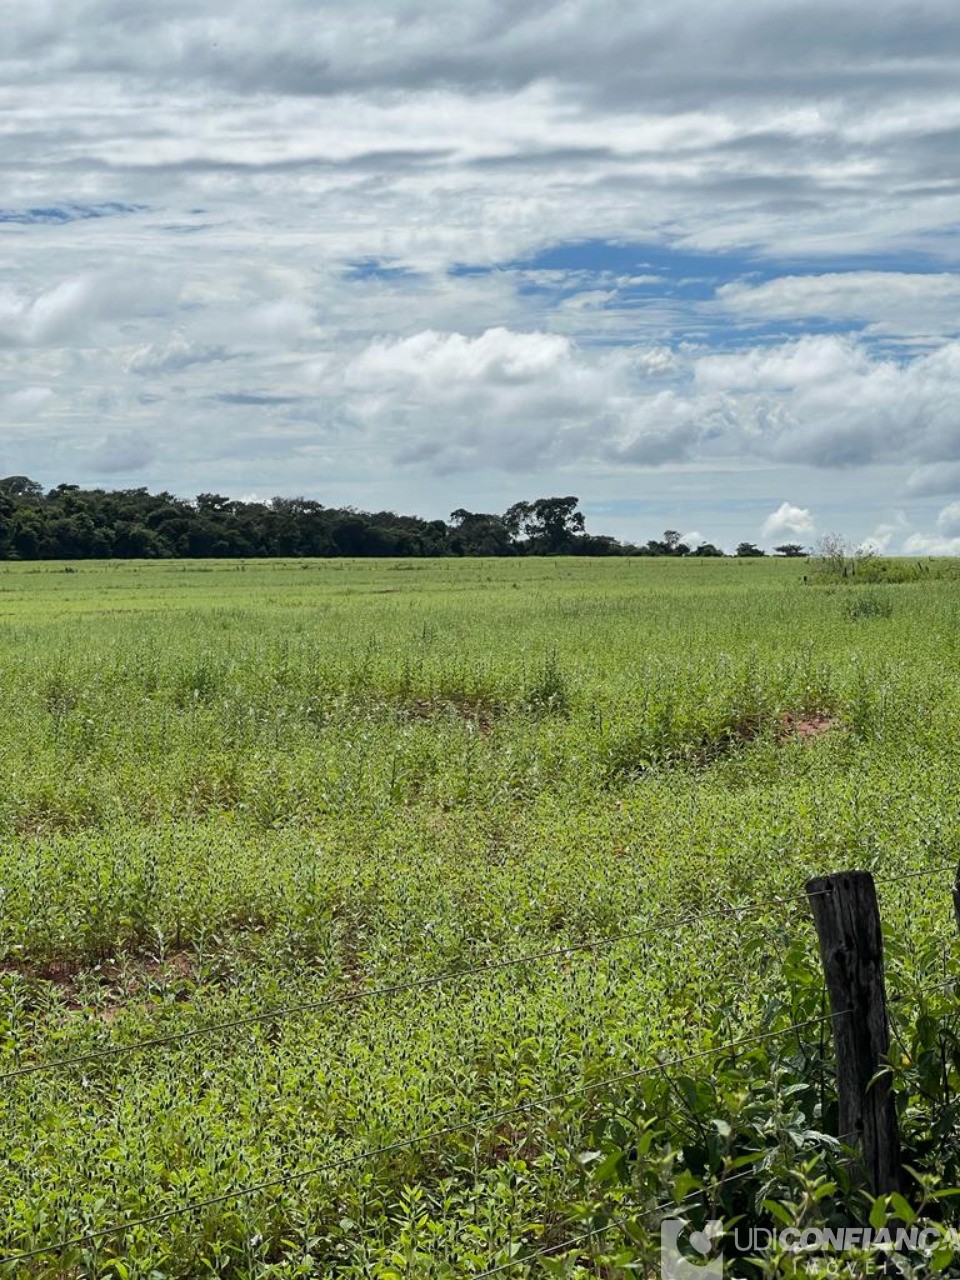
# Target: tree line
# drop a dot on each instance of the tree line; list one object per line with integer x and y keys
{"x": 71, "y": 523}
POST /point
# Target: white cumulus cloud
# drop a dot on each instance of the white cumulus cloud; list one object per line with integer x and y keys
{"x": 948, "y": 520}
{"x": 889, "y": 301}
{"x": 787, "y": 519}
{"x": 931, "y": 544}
{"x": 810, "y": 361}
{"x": 445, "y": 362}
{"x": 68, "y": 313}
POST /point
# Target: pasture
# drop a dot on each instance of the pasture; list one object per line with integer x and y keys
{"x": 409, "y": 871}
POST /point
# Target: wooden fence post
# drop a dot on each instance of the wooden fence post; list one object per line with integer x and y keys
{"x": 847, "y": 919}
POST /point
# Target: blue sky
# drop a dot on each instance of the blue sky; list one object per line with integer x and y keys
{"x": 696, "y": 262}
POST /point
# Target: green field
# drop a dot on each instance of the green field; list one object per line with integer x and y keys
{"x": 231, "y": 788}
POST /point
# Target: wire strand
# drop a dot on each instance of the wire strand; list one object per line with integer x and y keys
{"x": 437, "y": 980}
{"x": 616, "y": 1222}
{"x": 493, "y": 1117}
{"x": 599, "y": 1231}
{"x": 459, "y": 975}
{"x": 314, "y": 1006}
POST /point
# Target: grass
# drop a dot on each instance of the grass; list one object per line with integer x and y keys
{"x": 232, "y": 787}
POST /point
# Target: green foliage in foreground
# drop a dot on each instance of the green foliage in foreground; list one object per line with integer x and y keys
{"x": 232, "y": 788}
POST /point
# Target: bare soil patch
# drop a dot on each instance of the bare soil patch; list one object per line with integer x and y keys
{"x": 108, "y": 987}
{"x": 476, "y": 711}
{"x": 797, "y": 724}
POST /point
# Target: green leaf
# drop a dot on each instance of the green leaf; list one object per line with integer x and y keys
{"x": 941, "y": 1258}
{"x": 611, "y": 1165}
{"x": 740, "y": 1162}
{"x": 901, "y": 1209}
{"x": 779, "y": 1212}
{"x": 878, "y": 1213}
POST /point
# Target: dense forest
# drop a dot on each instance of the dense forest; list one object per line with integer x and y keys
{"x": 70, "y": 523}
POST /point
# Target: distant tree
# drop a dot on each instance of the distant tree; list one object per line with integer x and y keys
{"x": 137, "y": 542}
{"x": 287, "y": 525}
{"x": 517, "y": 517}
{"x": 26, "y": 533}
{"x": 478, "y": 533}
{"x": 347, "y": 533}
{"x": 558, "y": 520}
{"x": 21, "y": 487}
{"x": 745, "y": 549}
{"x": 550, "y": 524}
{"x": 213, "y": 502}
{"x": 789, "y": 549}
{"x": 707, "y": 549}
{"x": 669, "y": 545}
{"x": 599, "y": 544}
{"x": 836, "y": 558}
{"x": 7, "y": 510}
{"x": 433, "y": 539}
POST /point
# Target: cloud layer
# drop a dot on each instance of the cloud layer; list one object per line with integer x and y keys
{"x": 698, "y": 258}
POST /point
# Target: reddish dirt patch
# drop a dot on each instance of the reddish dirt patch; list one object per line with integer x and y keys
{"x": 805, "y": 725}
{"x": 60, "y": 972}
{"x": 795, "y": 724}
{"x": 117, "y": 984}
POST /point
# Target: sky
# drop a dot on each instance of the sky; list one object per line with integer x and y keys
{"x": 695, "y": 262}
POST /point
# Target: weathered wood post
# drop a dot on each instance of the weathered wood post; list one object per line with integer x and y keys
{"x": 847, "y": 920}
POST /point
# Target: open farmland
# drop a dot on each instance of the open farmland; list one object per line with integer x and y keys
{"x": 231, "y": 789}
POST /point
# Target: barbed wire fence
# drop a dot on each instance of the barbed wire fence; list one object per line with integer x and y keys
{"x": 662, "y": 924}
{"x": 864, "y": 1007}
